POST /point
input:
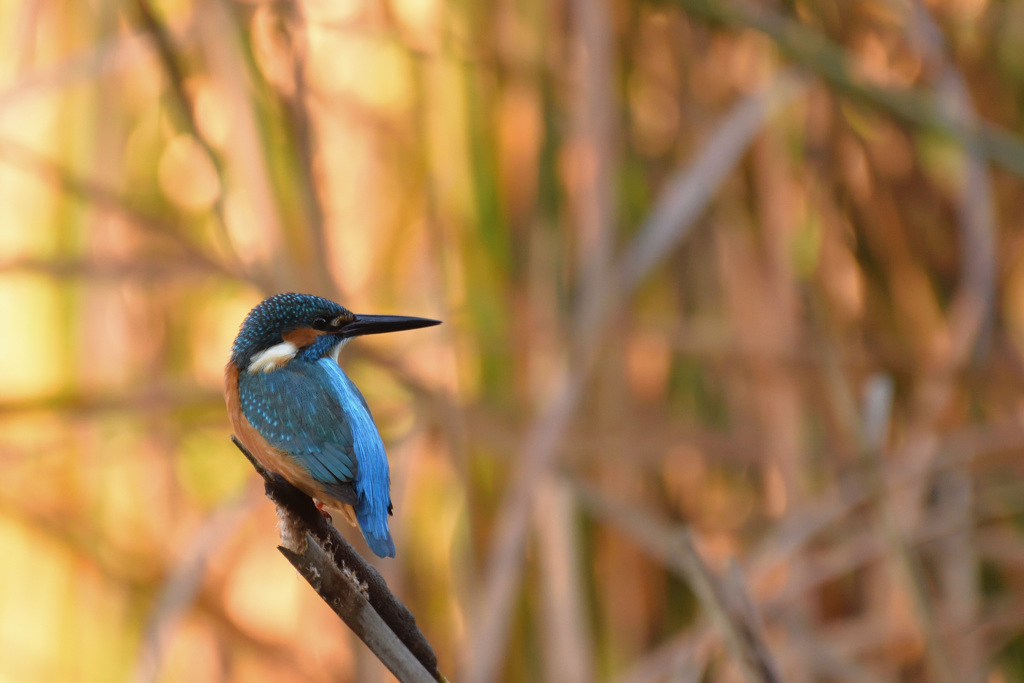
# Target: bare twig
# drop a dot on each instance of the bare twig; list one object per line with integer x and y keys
{"x": 824, "y": 660}
{"x": 736, "y": 597}
{"x": 805, "y": 522}
{"x": 687, "y": 192}
{"x": 595, "y": 132}
{"x": 683, "y": 659}
{"x": 855, "y": 552}
{"x": 973, "y": 301}
{"x": 736, "y": 621}
{"x": 347, "y": 583}
{"x": 970, "y": 311}
{"x": 568, "y": 650}
{"x": 877, "y": 412}
{"x": 741, "y": 635}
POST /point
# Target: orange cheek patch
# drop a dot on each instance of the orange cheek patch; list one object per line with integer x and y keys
{"x": 301, "y": 337}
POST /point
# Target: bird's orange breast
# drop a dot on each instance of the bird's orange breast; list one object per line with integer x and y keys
{"x": 272, "y": 458}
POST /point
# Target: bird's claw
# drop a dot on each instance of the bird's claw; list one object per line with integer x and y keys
{"x": 325, "y": 513}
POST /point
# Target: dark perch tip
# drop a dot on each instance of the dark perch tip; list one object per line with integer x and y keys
{"x": 303, "y": 512}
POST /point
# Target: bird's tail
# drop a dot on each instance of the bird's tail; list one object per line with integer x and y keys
{"x": 373, "y": 522}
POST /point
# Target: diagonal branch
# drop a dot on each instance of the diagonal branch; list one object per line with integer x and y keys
{"x": 827, "y": 60}
{"x": 165, "y": 50}
{"x": 347, "y": 583}
{"x": 732, "y": 612}
{"x": 63, "y": 179}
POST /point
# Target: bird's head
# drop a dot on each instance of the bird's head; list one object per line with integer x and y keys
{"x": 286, "y": 326}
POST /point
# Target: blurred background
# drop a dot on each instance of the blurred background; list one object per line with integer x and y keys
{"x": 733, "y": 298}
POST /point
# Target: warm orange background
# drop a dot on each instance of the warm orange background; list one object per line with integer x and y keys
{"x": 796, "y": 331}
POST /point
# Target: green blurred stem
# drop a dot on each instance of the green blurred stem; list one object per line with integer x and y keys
{"x": 176, "y": 77}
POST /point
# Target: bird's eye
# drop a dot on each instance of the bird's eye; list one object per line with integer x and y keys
{"x": 320, "y": 324}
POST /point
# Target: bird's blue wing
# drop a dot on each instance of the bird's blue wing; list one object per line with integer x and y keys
{"x": 373, "y": 480}
{"x": 301, "y": 414}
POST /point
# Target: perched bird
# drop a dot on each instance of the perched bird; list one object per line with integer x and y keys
{"x": 299, "y": 414}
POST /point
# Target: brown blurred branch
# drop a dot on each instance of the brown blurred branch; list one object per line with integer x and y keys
{"x": 63, "y": 179}
{"x": 683, "y": 659}
{"x": 347, "y": 583}
{"x": 103, "y": 59}
{"x": 969, "y": 313}
{"x": 877, "y": 415}
{"x": 111, "y": 270}
{"x": 175, "y": 72}
{"x": 824, "y": 58}
{"x": 679, "y": 204}
{"x": 156, "y": 399}
{"x": 164, "y": 45}
{"x": 733, "y": 614}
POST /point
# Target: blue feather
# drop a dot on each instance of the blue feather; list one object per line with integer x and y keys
{"x": 372, "y": 481}
{"x": 315, "y": 414}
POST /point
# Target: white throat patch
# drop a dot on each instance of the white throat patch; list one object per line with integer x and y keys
{"x": 273, "y": 358}
{"x": 336, "y": 351}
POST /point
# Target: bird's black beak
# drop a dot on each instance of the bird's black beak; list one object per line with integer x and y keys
{"x": 378, "y": 324}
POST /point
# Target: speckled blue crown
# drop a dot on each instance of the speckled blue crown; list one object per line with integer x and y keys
{"x": 265, "y": 324}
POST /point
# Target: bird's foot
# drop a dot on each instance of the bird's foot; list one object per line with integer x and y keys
{"x": 325, "y": 513}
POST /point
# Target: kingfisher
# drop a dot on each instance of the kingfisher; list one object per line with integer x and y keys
{"x": 299, "y": 414}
